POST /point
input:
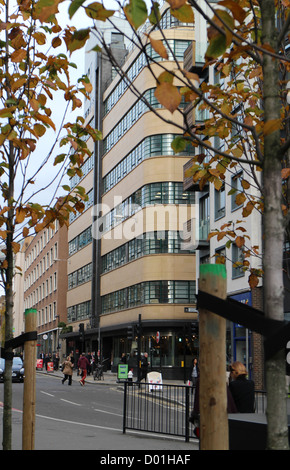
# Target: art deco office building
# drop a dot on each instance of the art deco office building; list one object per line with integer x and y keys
{"x": 131, "y": 265}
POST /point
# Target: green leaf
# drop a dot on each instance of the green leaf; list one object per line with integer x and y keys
{"x": 66, "y": 187}
{"x": 78, "y": 40}
{"x": 74, "y": 6}
{"x": 98, "y": 12}
{"x": 136, "y": 13}
{"x": 217, "y": 46}
{"x": 60, "y": 158}
{"x": 184, "y": 14}
{"x": 154, "y": 16}
{"x": 178, "y": 144}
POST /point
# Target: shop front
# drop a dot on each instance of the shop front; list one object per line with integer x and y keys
{"x": 170, "y": 350}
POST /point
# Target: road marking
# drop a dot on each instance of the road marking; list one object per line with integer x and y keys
{"x": 80, "y": 424}
{"x": 46, "y": 393}
{"x": 108, "y": 412}
{"x": 71, "y": 402}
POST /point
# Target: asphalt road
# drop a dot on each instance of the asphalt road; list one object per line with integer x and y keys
{"x": 88, "y": 418}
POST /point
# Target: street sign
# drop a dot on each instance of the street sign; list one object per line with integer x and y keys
{"x": 157, "y": 337}
{"x": 123, "y": 371}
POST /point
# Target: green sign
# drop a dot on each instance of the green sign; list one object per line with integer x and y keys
{"x": 122, "y": 371}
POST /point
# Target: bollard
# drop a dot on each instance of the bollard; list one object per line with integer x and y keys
{"x": 214, "y": 433}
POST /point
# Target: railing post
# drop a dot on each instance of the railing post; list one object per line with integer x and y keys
{"x": 125, "y": 407}
{"x": 187, "y": 414}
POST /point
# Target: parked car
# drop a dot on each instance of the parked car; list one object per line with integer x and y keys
{"x": 17, "y": 369}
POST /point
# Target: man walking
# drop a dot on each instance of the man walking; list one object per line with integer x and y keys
{"x": 83, "y": 364}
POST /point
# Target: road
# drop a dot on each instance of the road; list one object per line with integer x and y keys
{"x": 83, "y": 418}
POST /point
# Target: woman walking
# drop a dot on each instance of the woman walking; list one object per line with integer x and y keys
{"x": 67, "y": 369}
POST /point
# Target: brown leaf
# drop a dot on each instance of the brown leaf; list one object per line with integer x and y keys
{"x": 253, "y": 280}
{"x": 158, "y": 47}
{"x": 240, "y": 241}
{"x": 168, "y": 95}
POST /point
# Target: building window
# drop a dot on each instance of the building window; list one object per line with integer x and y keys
{"x": 236, "y": 189}
{"x": 219, "y": 203}
{"x": 220, "y": 255}
{"x": 237, "y": 260}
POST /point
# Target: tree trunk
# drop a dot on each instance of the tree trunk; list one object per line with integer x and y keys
{"x": 7, "y": 414}
{"x": 273, "y": 236}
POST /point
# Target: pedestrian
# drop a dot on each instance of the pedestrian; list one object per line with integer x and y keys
{"x": 144, "y": 366}
{"x": 67, "y": 369}
{"x": 194, "y": 373}
{"x": 242, "y": 389}
{"x": 83, "y": 366}
{"x": 46, "y": 361}
{"x": 89, "y": 358}
{"x": 194, "y": 416}
{"x": 124, "y": 358}
{"x": 56, "y": 361}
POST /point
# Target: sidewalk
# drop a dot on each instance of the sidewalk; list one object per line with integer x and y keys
{"x": 108, "y": 378}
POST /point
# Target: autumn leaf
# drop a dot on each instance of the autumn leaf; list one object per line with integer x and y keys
{"x": 168, "y": 95}
{"x": 271, "y": 126}
{"x": 176, "y": 3}
{"x": 285, "y": 173}
{"x": 98, "y": 12}
{"x": 238, "y": 12}
{"x": 240, "y": 241}
{"x": 18, "y": 55}
{"x": 20, "y": 215}
{"x": 44, "y": 10}
{"x": 78, "y": 39}
{"x": 158, "y": 47}
{"x": 184, "y": 14}
{"x": 253, "y": 280}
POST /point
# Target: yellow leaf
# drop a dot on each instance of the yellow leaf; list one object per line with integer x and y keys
{"x": 20, "y": 215}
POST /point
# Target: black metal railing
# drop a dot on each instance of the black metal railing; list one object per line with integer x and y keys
{"x": 164, "y": 409}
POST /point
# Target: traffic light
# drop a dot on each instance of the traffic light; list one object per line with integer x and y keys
{"x": 130, "y": 332}
{"x": 194, "y": 328}
{"x": 138, "y": 330}
{"x": 82, "y": 331}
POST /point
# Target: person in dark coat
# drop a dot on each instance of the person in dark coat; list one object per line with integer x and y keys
{"x": 242, "y": 389}
{"x": 194, "y": 417}
{"x": 144, "y": 366}
{"x": 83, "y": 366}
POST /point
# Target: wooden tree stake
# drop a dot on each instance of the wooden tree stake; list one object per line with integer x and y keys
{"x": 212, "y": 337}
{"x": 29, "y": 393}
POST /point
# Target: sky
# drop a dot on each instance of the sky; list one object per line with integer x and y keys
{"x": 58, "y": 104}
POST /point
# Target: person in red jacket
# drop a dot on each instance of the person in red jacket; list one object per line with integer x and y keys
{"x": 83, "y": 364}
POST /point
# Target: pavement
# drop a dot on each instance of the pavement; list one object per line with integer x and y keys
{"x": 109, "y": 378}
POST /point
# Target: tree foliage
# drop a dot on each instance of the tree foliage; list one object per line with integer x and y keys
{"x": 245, "y": 125}
{"x": 35, "y": 71}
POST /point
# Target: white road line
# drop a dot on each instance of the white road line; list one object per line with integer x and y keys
{"x": 80, "y": 424}
{"x": 45, "y": 393}
{"x": 71, "y": 402}
{"x": 108, "y": 412}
